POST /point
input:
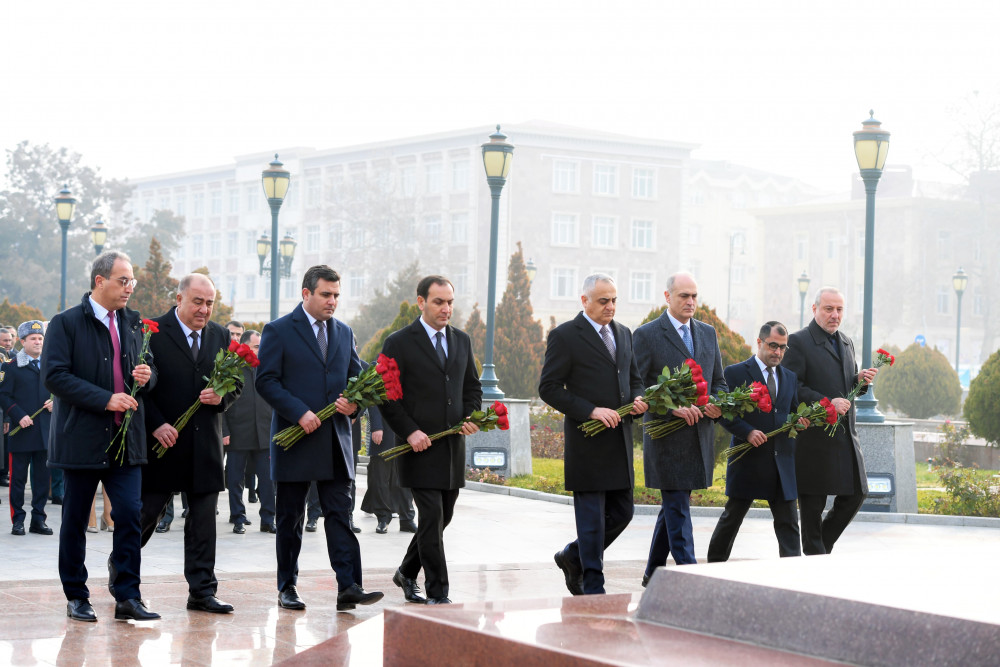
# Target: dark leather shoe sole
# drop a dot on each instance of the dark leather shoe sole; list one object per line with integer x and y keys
{"x": 410, "y": 589}
{"x": 17, "y": 530}
{"x": 438, "y": 601}
{"x": 40, "y": 530}
{"x": 239, "y": 529}
{"x": 216, "y": 608}
{"x": 367, "y": 598}
{"x": 572, "y": 580}
{"x": 310, "y": 528}
{"x": 268, "y": 528}
{"x": 296, "y": 605}
{"x": 87, "y": 616}
{"x": 163, "y": 528}
{"x": 407, "y": 528}
{"x": 125, "y": 612}
{"x": 381, "y": 529}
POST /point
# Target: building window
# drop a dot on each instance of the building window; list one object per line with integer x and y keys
{"x": 254, "y": 195}
{"x": 336, "y": 235}
{"x": 460, "y": 278}
{"x": 164, "y": 203}
{"x": 564, "y": 283}
{"x": 831, "y": 246}
{"x": 801, "y": 247}
{"x": 434, "y": 178}
{"x": 197, "y": 245}
{"x": 356, "y": 284}
{"x": 250, "y": 287}
{"x": 565, "y": 176}
{"x": 288, "y": 288}
{"x": 943, "y": 244}
{"x": 460, "y": 176}
{"x": 460, "y": 228}
{"x": 312, "y": 238}
{"x": 694, "y": 234}
{"x": 356, "y": 237}
{"x": 408, "y": 180}
{"x": 181, "y": 209}
{"x": 977, "y": 301}
{"x": 604, "y": 232}
{"x": 313, "y": 193}
{"x": 432, "y": 227}
{"x": 250, "y": 243}
{"x": 199, "y": 204}
{"x": 861, "y": 244}
{"x": 564, "y": 229}
{"x": 216, "y": 202}
{"x": 606, "y": 180}
{"x": 232, "y": 244}
{"x": 942, "y": 300}
{"x": 642, "y": 183}
{"x": 642, "y": 234}
{"x": 640, "y": 287}
{"x": 234, "y": 201}
{"x": 214, "y": 244}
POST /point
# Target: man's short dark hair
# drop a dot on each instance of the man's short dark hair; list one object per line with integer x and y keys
{"x": 245, "y": 337}
{"x": 234, "y": 323}
{"x": 424, "y": 286}
{"x": 778, "y": 327}
{"x": 316, "y": 273}
{"x": 104, "y": 264}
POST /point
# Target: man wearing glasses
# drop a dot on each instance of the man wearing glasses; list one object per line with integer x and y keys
{"x": 89, "y": 363}
{"x": 767, "y": 472}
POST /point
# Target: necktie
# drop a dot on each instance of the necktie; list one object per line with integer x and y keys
{"x": 686, "y": 337}
{"x": 772, "y": 388}
{"x": 439, "y": 347}
{"x": 116, "y": 363}
{"x": 836, "y": 343}
{"x": 194, "y": 345}
{"x": 34, "y": 364}
{"x": 321, "y": 339}
{"x": 609, "y": 342}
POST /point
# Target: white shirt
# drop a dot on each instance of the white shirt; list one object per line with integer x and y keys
{"x": 598, "y": 327}
{"x": 431, "y": 331}
{"x": 188, "y": 331}
{"x": 763, "y": 371}
{"x": 101, "y": 313}
{"x": 678, "y": 324}
{"x": 313, "y": 323}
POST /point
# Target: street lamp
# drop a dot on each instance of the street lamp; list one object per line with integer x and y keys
{"x": 871, "y": 145}
{"x": 99, "y": 234}
{"x": 959, "y": 281}
{"x": 497, "y": 156}
{"x": 531, "y": 270}
{"x": 263, "y": 249}
{"x": 803, "y": 288}
{"x": 733, "y": 238}
{"x": 65, "y": 203}
{"x": 287, "y": 246}
{"x": 275, "y": 180}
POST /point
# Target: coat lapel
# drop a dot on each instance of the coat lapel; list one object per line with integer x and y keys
{"x": 671, "y": 333}
{"x": 753, "y": 370}
{"x": 593, "y": 338}
{"x": 170, "y": 326}
{"x": 300, "y": 322}
{"x": 424, "y": 342}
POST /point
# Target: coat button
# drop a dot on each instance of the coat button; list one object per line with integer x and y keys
{"x": 449, "y": 401}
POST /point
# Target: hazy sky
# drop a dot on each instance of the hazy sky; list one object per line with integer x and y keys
{"x": 142, "y": 88}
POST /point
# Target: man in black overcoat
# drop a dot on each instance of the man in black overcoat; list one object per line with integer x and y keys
{"x": 185, "y": 348}
{"x": 440, "y": 388}
{"x": 589, "y": 371}
{"x": 823, "y": 359}
{"x": 766, "y": 472}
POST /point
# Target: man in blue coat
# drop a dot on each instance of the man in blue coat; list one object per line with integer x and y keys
{"x": 767, "y": 472}
{"x": 306, "y": 358}
{"x": 21, "y": 395}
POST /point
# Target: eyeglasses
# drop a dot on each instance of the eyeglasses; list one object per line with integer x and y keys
{"x": 777, "y": 346}
{"x": 125, "y": 282}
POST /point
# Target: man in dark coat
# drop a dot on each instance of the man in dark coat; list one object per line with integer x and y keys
{"x": 306, "y": 359}
{"x": 766, "y": 472}
{"x": 588, "y": 372}
{"x": 440, "y": 388}
{"x": 21, "y": 395}
{"x": 89, "y": 351}
{"x": 248, "y": 446}
{"x": 684, "y": 460}
{"x": 185, "y": 348}
{"x": 384, "y": 495}
{"x": 823, "y": 359}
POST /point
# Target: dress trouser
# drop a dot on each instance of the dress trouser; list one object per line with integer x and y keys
{"x": 123, "y": 487}
{"x": 436, "y": 507}
{"x": 20, "y": 462}
{"x": 786, "y": 528}
{"x": 601, "y": 516}
{"x": 820, "y": 534}
{"x": 256, "y": 462}
{"x": 672, "y": 532}
{"x": 199, "y": 535}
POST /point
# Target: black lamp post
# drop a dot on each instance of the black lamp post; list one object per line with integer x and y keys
{"x": 959, "y": 281}
{"x": 99, "y": 234}
{"x": 497, "y": 156}
{"x": 803, "y": 289}
{"x": 871, "y": 145}
{"x": 275, "y": 180}
{"x": 65, "y": 203}
{"x": 287, "y": 249}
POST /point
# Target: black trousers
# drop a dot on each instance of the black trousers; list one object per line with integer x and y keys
{"x": 819, "y": 534}
{"x": 601, "y": 516}
{"x": 199, "y": 535}
{"x": 384, "y": 495}
{"x": 20, "y": 462}
{"x": 786, "y": 528}
{"x": 436, "y": 507}
{"x": 256, "y": 462}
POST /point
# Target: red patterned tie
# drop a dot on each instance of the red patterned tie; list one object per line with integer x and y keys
{"x": 117, "y": 362}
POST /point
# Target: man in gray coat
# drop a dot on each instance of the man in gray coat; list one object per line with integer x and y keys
{"x": 684, "y": 460}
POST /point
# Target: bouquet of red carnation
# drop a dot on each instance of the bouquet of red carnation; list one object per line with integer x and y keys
{"x": 682, "y": 386}
{"x": 373, "y": 386}
{"x": 882, "y": 358}
{"x": 733, "y": 404}
{"x": 492, "y": 417}
{"x": 820, "y": 412}
{"x": 149, "y": 327}
{"x": 226, "y": 373}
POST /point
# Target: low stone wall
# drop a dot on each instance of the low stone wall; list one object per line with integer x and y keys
{"x": 985, "y": 457}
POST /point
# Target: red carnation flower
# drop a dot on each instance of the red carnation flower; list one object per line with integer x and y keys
{"x": 151, "y": 326}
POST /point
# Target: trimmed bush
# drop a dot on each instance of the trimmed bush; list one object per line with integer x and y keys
{"x": 981, "y": 404}
{"x": 921, "y": 384}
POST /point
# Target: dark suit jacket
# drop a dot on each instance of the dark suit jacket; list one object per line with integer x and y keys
{"x": 683, "y": 460}
{"x": 434, "y": 400}
{"x": 21, "y": 393}
{"x": 248, "y": 421}
{"x": 293, "y": 379}
{"x": 578, "y": 375}
{"x": 766, "y": 472}
{"x": 195, "y": 463}
{"x": 825, "y": 465}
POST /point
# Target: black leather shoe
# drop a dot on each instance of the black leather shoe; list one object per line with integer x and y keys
{"x": 438, "y": 601}
{"x": 411, "y": 591}
{"x": 355, "y": 595}
{"x": 252, "y": 497}
{"x": 240, "y": 519}
{"x": 209, "y": 603}
{"x": 80, "y": 610}
{"x": 112, "y": 576}
{"x": 354, "y": 528}
{"x": 17, "y": 529}
{"x": 239, "y": 529}
{"x": 268, "y": 528}
{"x": 56, "y": 500}
{"x": 381, "y": 528}
{"x": 134, "y": 610}
{"x": 289, "y": 599}
{"x": 311, "y": 526}
{"x": 406, "y": 526}
{"x": 572, "y": 571}
{"x": 163, "y": 526}
{"x": 39, "y": 529}
{"x": 645, "y": 580}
